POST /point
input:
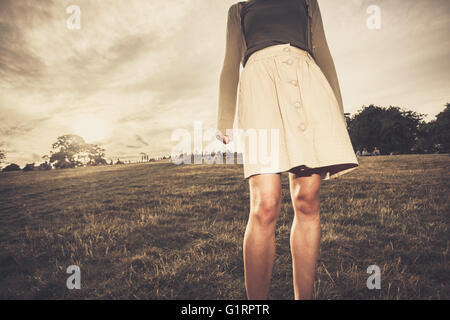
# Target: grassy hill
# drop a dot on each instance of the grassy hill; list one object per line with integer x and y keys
{"x": 161, "y": 231}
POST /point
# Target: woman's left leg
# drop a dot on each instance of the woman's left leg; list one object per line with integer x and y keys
{"x": 305, "y": 232}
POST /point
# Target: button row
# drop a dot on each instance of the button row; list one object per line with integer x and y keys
{"x": 301, "y": 126}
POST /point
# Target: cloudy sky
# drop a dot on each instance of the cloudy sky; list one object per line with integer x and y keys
{"x": 137, "y": 70}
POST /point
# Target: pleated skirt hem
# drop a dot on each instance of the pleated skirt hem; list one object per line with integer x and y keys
{"x": 326, "y": 172}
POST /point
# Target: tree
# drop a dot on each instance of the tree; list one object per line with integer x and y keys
{"x": 11, "y": 167}
{"x": 389, "y": 129}
{"x": 2, "y": 156}
{"x": 442, "y": 130}
{"x": 29, "y": 167}
{"x": 96, "y": 155}
{"x": 45, "y": 166}
{"x": 72, "y": 151}
{"x": 68, "y": 147}
{"x": 348, "y": 119}
{"x": 434, "y": 136}
{"x": 426, "y": 141}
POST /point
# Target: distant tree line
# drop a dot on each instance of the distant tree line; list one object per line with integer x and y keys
{"x": 69, "y": 151}
{"x": 397, "y": 131}
{"x": 390, "y": 130}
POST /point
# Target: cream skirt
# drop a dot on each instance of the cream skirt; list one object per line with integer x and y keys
{"x": 289, "y": 118}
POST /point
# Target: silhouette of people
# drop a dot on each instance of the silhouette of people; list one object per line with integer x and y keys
{"x": 365, "y": 152}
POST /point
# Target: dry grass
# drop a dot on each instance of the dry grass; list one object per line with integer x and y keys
{"x": 161, "y": 231}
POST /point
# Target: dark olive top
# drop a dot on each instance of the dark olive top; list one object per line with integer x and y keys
{"x": 271, "y": 22}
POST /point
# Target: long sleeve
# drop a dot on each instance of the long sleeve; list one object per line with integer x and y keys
{"x": 322, "y": 53}
{"x": 229, "y": 76}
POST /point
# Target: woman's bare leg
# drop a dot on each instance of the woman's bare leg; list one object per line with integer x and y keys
{"x": 259, "y": 239}
{"x": 305, "y": 232}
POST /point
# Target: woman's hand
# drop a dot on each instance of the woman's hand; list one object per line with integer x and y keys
{"x": 224, "y": 138}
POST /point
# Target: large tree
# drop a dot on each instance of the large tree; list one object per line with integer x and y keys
{"x": 96, "y": 155}
{"x": 72, "y": 151}
{"x": 426, "y": 140}
{"x": 389, "y": 129}
{"x": 442, "y": 130}
{"x": 434, "y": 136}
{"x": 11, "y": 167}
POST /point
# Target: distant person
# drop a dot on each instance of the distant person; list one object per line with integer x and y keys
{"x": 376, "y": 152}
{"x": 365, "y": 152}
{"x": 358, "y": 153}
{"x": 287, "y": 80}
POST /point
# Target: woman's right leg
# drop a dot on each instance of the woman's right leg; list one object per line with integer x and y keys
{"x": 259, "y": 239}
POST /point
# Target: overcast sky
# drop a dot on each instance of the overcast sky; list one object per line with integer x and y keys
{"x": 139, "y": 69}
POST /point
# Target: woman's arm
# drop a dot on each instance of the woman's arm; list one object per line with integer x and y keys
{"x": 229, "y": 76}
{"x": 322, "y": 53}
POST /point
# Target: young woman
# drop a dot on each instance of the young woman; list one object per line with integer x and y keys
{"x": 288, "y": 86}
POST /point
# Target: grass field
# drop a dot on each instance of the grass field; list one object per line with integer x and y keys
{"x": 161, "y": 231}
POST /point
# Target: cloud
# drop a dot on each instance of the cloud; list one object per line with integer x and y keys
{"x": 138, "y": 138}
{"x": 18, "y": 62}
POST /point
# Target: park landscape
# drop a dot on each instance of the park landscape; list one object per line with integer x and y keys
{"x": 157, "y": 230}
{"x": 94, "y": 95}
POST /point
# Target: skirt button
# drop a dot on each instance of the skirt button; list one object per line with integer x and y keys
{"x": 298, "y": 104}
{"x": 302, "y": 126}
